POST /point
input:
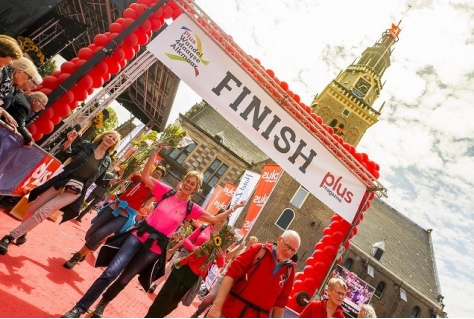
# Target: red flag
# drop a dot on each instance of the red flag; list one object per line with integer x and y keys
{"x": 395, "y": 30}
{"x": 221, "y": 198}
{"x": 270, "y": 175}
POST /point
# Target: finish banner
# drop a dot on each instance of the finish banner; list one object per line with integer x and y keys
{"x": 243, "y": 192}
{"x": 220, "y": 199}
{"x": 211, "y": 72}
{"x": 270, "y": 175}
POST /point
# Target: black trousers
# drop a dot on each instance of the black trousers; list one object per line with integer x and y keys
{"x": 175, "y": 287}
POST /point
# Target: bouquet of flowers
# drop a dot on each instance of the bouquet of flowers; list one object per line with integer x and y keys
{"x": 173, "y": 135}
{"x": 223, "y": 240}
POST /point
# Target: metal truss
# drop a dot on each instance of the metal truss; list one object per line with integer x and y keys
{"x": 259, "y": 74}
{"x": 100, "y": 101}
{"x": 47, "y": 33}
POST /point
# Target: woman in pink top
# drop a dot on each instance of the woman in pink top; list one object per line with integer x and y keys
{"x": 182, "y": 278}
{"x": 144, "y": 251}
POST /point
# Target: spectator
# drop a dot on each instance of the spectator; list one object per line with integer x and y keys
{"x": 366, "y": 311}
{"x": 331, "y": 308}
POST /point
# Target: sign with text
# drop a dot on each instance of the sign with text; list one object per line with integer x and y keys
{"x": 243, "y": 192}
{"x": 220, "y": 198}
{"x": 193, "y": 56}
{"x": 270, "y": 176}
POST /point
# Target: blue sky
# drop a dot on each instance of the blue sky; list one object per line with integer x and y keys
{"x": 423, "y": 141}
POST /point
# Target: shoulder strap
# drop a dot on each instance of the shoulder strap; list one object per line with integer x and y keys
{"x": 189, "y": 208}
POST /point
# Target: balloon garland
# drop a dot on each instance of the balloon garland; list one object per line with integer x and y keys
{"x": 102, "y": 71}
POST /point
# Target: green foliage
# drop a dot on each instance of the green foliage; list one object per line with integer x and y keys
{"x": 47, "y": 68}
{"x": 109, "y": 124}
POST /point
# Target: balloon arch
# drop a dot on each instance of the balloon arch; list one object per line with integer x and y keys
{"x": 336, "y": 235}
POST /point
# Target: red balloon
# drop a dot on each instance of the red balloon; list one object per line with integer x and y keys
{"x": 158, "y": 13}
{"x": 32, "y": 129}
{"x": 167, "y": 11}
{"x": 46, "y": 91}
{"x": 320, "y": 267}
{"x": 118, "y": 55}
{"x": 338, "y": 236}
{"x": 68, "y": 67}
{"x": 47, "y": 127}
{"x": 148, "y": 3}
{"x": 61, "y": 109}
{"x": 328, "y": 231}
{"x": 67, "y": 97}
{"x": 318, "y": 255}
{"x": 330, "y": 251}
{"x": 309, "y": 271}
{"x": 131, "y": 40}
{"x": 106, "y": 77}
{"x": 142, "y": 38}
{"x": 85, "y": 82}
{"x": 284, "y": 85}
{"x": 319, "y": 246}
{"x": 50, "y": 82}
{"x": 114, "y": 66}
{"x": 129, "y": 13}
{"x": 123, "y": 64}
{"x": 140, "y": 9}
{"x": 73, "y": 104}
{"x": 48, "y": 113}
{"x": 310, "y": 283}
{"x": 79, "y": 93}
{"x": 113, "y": 36}
{"x": 298, "y": 285}
{"x": 56, "y": 73}
{"x": 92, "y": 46}
{"x": 176, "y": 13}
{"x": 270, "y": 73}
{"x": 309, "y": 261}
{"x": 115, "y": 27}
{"x": 127, "y": 22}
{"x": 99, "y": 69}
{"x": 101, "y": 40}
{"x": 85, "y": 53}
{"x": 79, "y": 63}
{"x": 90, "y": 90}
{"x": 145, "y": 26}
{"x": 128, "y": 51}
{"x": 97, "y": 81}
{"x": 56, "y": 119}
{"x": 156, "y": 23}
{"x": 37, "y": 136}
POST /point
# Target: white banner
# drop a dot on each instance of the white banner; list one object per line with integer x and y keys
{"x": 186, "y": 50}
{"x": 243, "y": 192}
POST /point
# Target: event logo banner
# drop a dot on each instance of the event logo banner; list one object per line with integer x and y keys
{"x": 270, "y": 175}
{"x": 243, "y": 192}
{"x": 220, "y": 199}
{"x": 200, "y": 62}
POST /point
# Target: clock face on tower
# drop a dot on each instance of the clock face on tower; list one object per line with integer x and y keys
{"x": 361, "y": 87}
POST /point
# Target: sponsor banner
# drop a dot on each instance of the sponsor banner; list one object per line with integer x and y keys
{"x": 20, "y": 164}
{"x": 200, "y": 62}
{"x": 358, "y": 291}
{"x": 220, "y": 198}
{"x": 243, "y": 192}
{"x": 47, "y": 168}
{"x": 270, "y": 176}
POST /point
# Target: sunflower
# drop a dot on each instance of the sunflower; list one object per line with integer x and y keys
{"x": 218, "y": 241}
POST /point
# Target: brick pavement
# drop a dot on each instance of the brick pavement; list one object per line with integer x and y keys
{"x": 34, "y": 284}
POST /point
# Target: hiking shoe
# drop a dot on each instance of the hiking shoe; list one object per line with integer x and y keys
{"x": 73, "y": 261}
{"x": 22, "y": 239}
{"x": 99, "y": 310}
{"x": 75, "y": 312}
{"x": 4, "y": 243}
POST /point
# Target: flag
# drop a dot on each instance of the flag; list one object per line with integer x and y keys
{"x": 243, "y": 192}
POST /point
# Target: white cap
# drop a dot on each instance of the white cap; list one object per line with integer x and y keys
{"x": 37, "y": 79}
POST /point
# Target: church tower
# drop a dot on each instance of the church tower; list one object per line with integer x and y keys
{"x": 346, "y": 104}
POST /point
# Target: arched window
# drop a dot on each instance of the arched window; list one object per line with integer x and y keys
{"x": 285, "y": 219}
{"x": 415, "y": 312}
{"x": 379, "y": 290}
{"x": 348, "y": 263}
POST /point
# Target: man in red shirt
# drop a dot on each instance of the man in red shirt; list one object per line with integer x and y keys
{"x": 259, "y": 280}
{"x": 330, "y": 308}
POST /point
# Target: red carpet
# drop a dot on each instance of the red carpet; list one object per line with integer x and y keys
{"x": 34, "y": 284}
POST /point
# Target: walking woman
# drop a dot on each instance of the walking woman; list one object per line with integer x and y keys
{"x": 116, "y": 217}
{"x": 66, "y": 190}
{"x": 183, "y": 278}
{"x": 144, "y": 251}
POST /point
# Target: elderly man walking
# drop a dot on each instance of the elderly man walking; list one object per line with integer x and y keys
{"x": 259, "y": 280}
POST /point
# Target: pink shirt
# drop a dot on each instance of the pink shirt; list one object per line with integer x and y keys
{"x": 168, "y": 215}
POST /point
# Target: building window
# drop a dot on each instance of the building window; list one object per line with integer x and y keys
{"x": 299, "y": 197}
{"x": 415, "y": 312}
{"x": 348, "y": 263}
{"x": 379, "y": 290}
{"x": 180, "y": 155}
{"x": 285, "y": 219}
{"x": 215, "y": 172}
{"x": 346, "y": 112}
